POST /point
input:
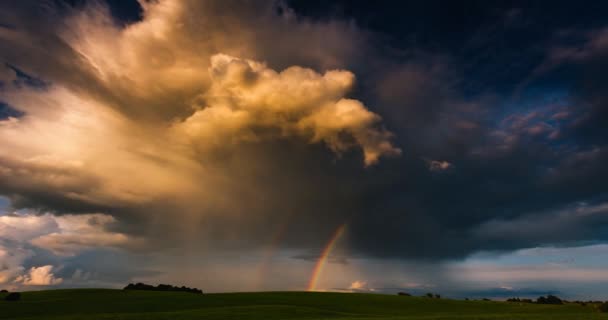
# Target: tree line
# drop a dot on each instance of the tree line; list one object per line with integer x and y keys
{"x": 161, "y": 287}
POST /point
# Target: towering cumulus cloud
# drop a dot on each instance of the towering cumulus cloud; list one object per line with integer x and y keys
{"x": 153, "y": 129}
{"x": 247, "y": 97}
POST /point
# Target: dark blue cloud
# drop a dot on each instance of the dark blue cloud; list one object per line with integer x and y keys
{"x": 124, "y": 11}
{"x": 25, "y": 79}
{"x": 7, "y": 111}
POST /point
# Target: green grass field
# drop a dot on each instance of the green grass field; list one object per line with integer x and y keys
{"x": 118, "y": 304}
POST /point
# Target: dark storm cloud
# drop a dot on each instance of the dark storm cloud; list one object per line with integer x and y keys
{"x": 510, "y": 162}
{"x": 588, "y": 65}
{"x": 447, "y": 95}
{"x": 567, "y": 226}
{"x": 6, "y": 111}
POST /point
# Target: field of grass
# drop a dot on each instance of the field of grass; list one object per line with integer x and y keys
{"x": 138, "y": 305}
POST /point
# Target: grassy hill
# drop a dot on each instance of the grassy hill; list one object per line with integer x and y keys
{"x": 118, "y": 304}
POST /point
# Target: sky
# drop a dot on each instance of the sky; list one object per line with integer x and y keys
{"x": 454, "y": 148}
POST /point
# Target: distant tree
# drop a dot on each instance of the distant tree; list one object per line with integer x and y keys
{"x": 429, "y": 295}
{"x": 520, "y": 300}
{"x": 13, "y": 296}
{"x": 603, "y": 307}
{"x": 486, "y": 299}
{"x": 550, "y": 299}
{"x": 139, "y": 286}
{"x": 466, "y": 299}
{"x": 161, "y": 287}
{"x": 403, "y": 294}
{"x": 3, "y": 291}
{"x": 437, "y": 296}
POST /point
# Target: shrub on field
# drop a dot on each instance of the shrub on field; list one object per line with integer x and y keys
{"x": 161, "y": 287}
{"x": 13, "y": 296}
{"x": 550, "y": 299}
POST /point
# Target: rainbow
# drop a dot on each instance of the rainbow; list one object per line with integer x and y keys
{"x": 320, "y": 265}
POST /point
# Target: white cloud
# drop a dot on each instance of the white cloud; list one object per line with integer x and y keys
{"x": 26, "y": 227}
{"x": 77, "y": 233}
{"x": 11, "y": 261}
{"x": 436, "y": 166}
{"x": 39, "y": 276}
{"x": 358, "y": 285}
{"x": 63, "y": 235}
{"x": 70, "y": 243}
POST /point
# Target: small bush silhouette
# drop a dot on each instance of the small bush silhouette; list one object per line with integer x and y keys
{"x": 520, "y": 300}
{"x": 550, "y": 299}
{"x": 403, "y": 294}
{"x": 429, "y": 295}
{"x": 13, "y": 296}
{"x": 161, "y": 287}
{"x": 3, "y": 291}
